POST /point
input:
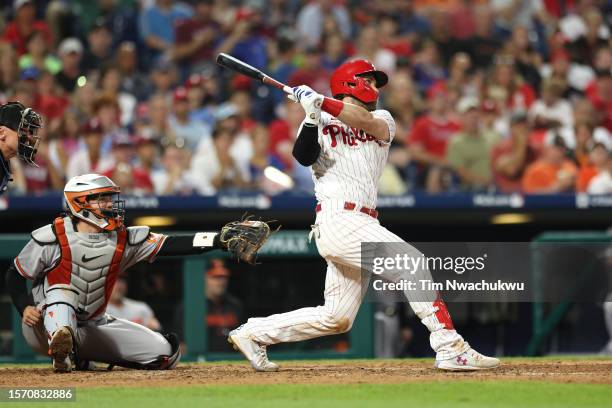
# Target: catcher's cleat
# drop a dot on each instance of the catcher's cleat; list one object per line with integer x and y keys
{"x": 469, "y": 360}
{"x": 60, "y": 349}
{"x": 253, "y": 351}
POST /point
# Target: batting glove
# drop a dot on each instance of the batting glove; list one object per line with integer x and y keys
{"x": 310, "y": 101}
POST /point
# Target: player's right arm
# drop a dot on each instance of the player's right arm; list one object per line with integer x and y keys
{"x": 32, "y": 261}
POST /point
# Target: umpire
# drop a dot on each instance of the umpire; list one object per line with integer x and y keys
{"x": 18, "y": 128}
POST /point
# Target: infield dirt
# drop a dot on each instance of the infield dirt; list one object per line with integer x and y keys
{"x": 597, "y": 371}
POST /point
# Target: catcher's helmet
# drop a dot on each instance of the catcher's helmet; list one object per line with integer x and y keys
{"x": 348, "y": 80}
{"x": 26, "y": 123}
{"x": 81, "y": 190}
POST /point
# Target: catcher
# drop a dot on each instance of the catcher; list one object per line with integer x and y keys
{"x": 18, "y": 128}
{"x": 74, "y": 263}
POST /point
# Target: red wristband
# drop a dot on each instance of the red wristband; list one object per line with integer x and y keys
{"x": 332, "y": 106}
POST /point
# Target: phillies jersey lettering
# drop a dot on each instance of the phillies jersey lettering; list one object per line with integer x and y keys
{"x": 351, "y": 161}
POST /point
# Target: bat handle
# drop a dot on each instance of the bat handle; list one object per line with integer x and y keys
{"x": 277, "y": 84}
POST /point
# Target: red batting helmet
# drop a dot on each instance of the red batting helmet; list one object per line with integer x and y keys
{"x": 348, "y": 80}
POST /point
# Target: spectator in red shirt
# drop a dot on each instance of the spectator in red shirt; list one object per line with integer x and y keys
{"x": 429, "y": 137}
{"x": 19, "y": 30}
{"x": 196, "y": 37}
{"x": 511, "y": 156}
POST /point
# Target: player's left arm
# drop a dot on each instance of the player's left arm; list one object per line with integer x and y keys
{"x": 242, "y": 238}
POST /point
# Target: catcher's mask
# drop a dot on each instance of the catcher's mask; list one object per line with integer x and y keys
{"x": 26, "y": 122}
{"x": 96, "y": 200}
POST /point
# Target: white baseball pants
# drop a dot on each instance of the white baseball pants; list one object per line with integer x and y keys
{"x": 339, "y": 234}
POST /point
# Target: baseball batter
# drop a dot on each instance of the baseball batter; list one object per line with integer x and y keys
{"x": 74, "y": 263}
{"x": 346, "y": 142}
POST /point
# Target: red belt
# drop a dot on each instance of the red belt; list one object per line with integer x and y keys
{"x": 351, "y": 206}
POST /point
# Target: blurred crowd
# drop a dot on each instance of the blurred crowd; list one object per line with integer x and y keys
{"x": 500, "y": 95}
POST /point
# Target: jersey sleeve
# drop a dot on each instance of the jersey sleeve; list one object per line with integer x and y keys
{"x": 35, "y": 260}
{"x": 386, "y": 116}
{"x": 145, "y": 251}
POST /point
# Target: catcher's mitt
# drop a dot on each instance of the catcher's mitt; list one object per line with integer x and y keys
{"x": 244, "y": 238}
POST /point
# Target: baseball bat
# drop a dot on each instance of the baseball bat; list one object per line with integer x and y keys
{"x": 243, "y": 68}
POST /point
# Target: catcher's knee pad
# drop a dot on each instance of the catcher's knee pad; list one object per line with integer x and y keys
{"x": 61, "y": 294}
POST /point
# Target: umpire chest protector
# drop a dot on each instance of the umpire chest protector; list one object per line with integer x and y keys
{"x": 89, "y": 264}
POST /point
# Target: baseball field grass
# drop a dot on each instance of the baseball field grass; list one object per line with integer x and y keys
{"x": 541, "y": 382}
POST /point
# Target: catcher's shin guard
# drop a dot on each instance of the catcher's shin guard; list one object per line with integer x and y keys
{"x": 161, "y": 362}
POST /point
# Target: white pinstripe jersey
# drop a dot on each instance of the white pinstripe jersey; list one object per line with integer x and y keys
{"x": 351, "y": 162}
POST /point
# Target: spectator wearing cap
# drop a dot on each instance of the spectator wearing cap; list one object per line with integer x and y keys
{"x": 469, "y": 151}
{"x": 37, "y": 55}
{"x": 197, "y": 38}
{"x": 224, "y": 311}
{"x": 245, "y": 41}
{"x": 132, "y": 80}
{"x": 156, "y": 25}
{"x": 70, "y": 52}
{"x": 99, "y": 51}
{"x": 187, "y": 131}
{"x": 553, "y": 172}
{"x": 110, "y": 85}
{"x": 552, "y": 111}
{"x": 310, "y": 20}
{"x": 214, "y": 167}
{"x": 24, "y": 25}
{"x": 512, "y": 155}
{"x": 429, "y": 136}
{"x": 597, "y": 163}
{"x": 89, "y": 158}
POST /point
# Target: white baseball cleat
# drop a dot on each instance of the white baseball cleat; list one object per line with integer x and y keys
{"x": 469, "y": 360}
{"x": 60, "y": 349}
{"x": 253, "y": 351}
